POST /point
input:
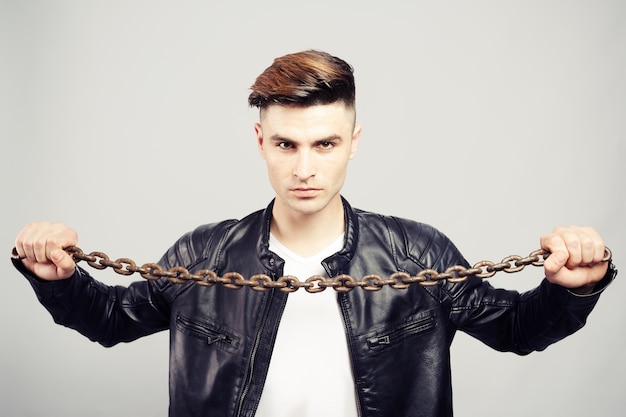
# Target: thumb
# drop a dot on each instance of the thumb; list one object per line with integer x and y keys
{"x": 555, "y": 262}
{"x": 64, "y": 262}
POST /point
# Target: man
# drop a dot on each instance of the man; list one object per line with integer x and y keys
{"x": 383, "y": 353}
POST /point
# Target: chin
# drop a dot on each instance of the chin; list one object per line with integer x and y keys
{"x": 308, "y": 206}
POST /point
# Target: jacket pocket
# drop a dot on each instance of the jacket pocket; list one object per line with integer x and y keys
{"x": 207, "y": 334}
{"x": 394, "y": 335}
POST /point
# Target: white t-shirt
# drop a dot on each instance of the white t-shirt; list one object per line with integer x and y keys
{"x": 310, "y": 359}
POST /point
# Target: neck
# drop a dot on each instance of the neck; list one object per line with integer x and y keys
{"x": 307, "y": 234}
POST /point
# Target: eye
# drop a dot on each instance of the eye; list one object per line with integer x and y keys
{"x": 326, "y": 145}
{"x": 284, "y": 145}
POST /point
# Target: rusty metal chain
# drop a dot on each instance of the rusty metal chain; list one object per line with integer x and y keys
{"x": 316, "y": 283}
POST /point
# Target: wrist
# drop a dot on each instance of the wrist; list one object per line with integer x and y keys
{"x": 584, "y": 290}
{"x": 596, "y": 287}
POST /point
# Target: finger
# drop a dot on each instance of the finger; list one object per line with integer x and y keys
{"x": 559, "y": 254}
{"x": 587, "y": 246}
{"x": 19, "y": 251}
{"x": 43, "y": 242}
{"x": 572, "y": 238}
{"x": 39, "y": 249}
{"x": 24, "y": 243}
{"x": 597, "y": 246}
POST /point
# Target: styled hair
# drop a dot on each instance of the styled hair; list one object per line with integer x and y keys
{"x": 304, "y": 79}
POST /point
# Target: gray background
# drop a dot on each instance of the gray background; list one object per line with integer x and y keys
{"x": 492, "y": 120}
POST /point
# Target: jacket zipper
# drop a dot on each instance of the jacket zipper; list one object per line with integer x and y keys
{"x": 341, "y": 298}
{"x": 409, "y": 329}
{"x": 255, "y": 347}
{"x": 211, "y": 335}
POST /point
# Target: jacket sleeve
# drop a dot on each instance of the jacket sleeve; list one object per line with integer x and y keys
{"x": 105, "y": 314}
{"x": 523, "y": 322}
{"x": 504, "y": 319}
{"x": 511, "y": 321}
{"x": 113, "y": 314}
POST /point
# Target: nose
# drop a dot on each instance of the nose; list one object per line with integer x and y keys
{"x": 304, "y": 165}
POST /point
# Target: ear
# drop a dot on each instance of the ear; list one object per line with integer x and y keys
{"x": 356, "y": 138}
{"x": 259, "y": 138}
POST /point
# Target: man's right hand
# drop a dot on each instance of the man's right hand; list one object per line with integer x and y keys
{"x": 40, "y": 247}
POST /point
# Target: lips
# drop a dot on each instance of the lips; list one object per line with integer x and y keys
{"x": 306, "y": 192}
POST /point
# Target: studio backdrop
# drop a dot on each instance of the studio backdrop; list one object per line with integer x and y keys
{"x": 494, "y": 121}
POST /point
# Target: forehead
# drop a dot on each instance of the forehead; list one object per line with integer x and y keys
{"x": 332, "y": 118}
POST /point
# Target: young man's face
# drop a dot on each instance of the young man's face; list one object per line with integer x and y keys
{"x": 307, "y": 150}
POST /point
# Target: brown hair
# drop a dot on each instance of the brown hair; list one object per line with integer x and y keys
{"x": 304, "y": 79}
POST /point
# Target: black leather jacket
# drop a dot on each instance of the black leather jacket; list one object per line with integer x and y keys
{"x": 221, "y": 339}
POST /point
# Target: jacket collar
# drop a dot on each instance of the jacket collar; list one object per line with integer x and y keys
{"x": 338, "y": 263}
{"x": 335, "y": 264}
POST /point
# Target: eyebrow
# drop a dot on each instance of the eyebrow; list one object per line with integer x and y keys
{"x": 331, "y": 138}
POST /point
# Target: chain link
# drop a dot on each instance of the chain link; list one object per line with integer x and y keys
{"x": 316, "y": 283}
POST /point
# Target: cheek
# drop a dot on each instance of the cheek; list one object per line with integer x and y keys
{"x": 337, "y": 166}
{"x": 276, "y": 167}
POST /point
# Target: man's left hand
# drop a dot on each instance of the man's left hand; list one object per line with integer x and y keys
{"x": 576, "y": 257}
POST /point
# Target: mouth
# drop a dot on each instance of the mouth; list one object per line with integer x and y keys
{"x": 305, "y": 192}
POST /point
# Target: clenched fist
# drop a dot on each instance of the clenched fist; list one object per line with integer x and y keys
{"x": 576, "y": 257}
{"x": 40, "y": 246}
